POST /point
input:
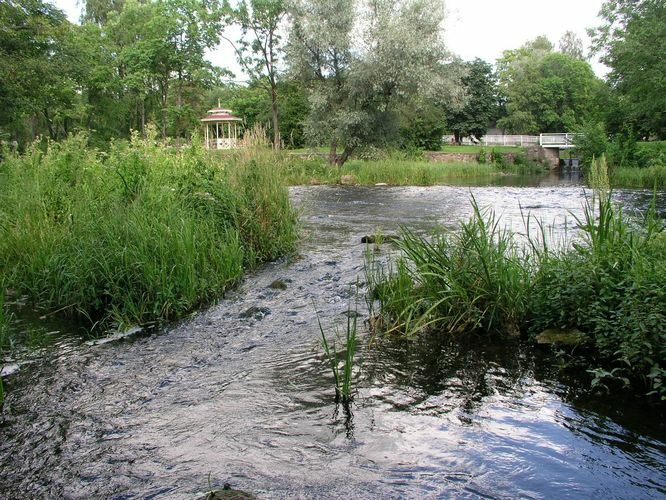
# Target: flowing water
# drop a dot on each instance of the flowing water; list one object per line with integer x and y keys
{"x": 240, "y": 393}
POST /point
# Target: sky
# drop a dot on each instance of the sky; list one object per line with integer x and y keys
{"x": 477, "y": 28}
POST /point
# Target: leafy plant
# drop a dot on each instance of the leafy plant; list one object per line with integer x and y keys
{"x": 608, "y": 284}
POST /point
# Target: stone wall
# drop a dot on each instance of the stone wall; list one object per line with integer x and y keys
{"x": 443, "y": 157}
{"x": 547, "y": 156}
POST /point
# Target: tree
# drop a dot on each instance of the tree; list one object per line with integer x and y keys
{"x": 38, "y": 77}
{"x": 572, "y": 45}
{"x": 632, "y": 42}
{"x": 482, "y": 105}
{"x": 545, "y": 91}
{"x": 160, "y": 48}
{"x": 358, "y": 73}
{"x": 259, "y": 48}
{"x": 98, "y": 11}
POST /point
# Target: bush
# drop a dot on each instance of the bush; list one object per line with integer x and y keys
{"x": 609, "y": 285}
{"x": 145, "y": 234}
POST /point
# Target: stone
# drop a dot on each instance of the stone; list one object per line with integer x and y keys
{"x": 380, "y": 238}
{"x": 570, "y": 336}
{"x": 278, "y": 285}
{"x": 255, "y": 312}
{"x": 347, "y": 180}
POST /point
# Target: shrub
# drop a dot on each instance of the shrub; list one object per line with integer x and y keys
{"x": 146, "y": 233}
{"x": 609, "y": 285}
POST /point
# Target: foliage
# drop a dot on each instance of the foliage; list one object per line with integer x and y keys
{"x": 258, "y": 50}
{"x": 178, "y": 227}
{"x": 572, "y": 45}
{"x": 4, "y": 326}
{"x": 652, "y": 177}
{"x": 471, "y": 280}
{"x": 396, "y": 170}
{"x": 342, "y": 361}
{"x": 37, "y": 73}
{"x": 608, "y": 285}
{"x": 422, "y": 124}
{"x": 546, "y": 91}
{"x": 130, "y": 64}
{"x": 357, "y": 72}
{"x": 631, "y": 42}
{"x": 161, "y": 48}
{"x": 482, "y": 106}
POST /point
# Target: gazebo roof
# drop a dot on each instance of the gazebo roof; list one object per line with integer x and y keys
{"x": 220, "y": 115}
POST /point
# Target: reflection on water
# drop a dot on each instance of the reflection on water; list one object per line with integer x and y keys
{"x": 249, "y": 399}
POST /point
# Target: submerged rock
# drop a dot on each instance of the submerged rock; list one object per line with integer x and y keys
{"x": 570, "y": 336}
{"x": 380, "y": 238}
{"x": 255, "y": 312}
{"x": 278, "y": 285}
{"x": 228, "y": 493}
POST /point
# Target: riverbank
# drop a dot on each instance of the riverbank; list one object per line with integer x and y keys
{"x": 398, "y": 172}
{"x": 600, "y": 300}
{"x": 140, "y": 235}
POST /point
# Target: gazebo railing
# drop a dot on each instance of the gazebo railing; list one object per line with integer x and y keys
{"x": 222, "y": 143}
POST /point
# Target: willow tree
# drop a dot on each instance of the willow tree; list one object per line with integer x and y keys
{"x": 359, "y": 61}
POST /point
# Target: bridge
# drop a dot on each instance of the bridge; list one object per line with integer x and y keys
{"x": 555, "y": 140}
{"x": 547, "y": 145}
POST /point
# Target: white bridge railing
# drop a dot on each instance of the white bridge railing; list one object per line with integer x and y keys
{"x": 558, "y": 140}
{"x": 543, "y": 140}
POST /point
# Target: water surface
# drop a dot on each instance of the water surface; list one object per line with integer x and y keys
{"x": 240, "y": 392}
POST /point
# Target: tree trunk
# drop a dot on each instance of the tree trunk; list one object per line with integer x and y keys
{"x": 332, "y": 154}
{"x": 342, "y": 159}
{"x": 49, "y": 124}
{"x": 274, "y": 111}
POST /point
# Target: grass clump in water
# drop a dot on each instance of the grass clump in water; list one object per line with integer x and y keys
{"x": 144, "y": 234}
{"x": 608, "y": 285}
{"x": 470, "y": 280}
{"x": 341, "y": 361}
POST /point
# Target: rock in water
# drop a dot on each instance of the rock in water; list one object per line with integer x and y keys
{"x": 381, "y": 238}
{"x": 228, "y": 493}
{"x": 570, "y": 336}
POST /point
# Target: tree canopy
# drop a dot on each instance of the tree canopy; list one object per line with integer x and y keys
{"x": 358, "y": 72}
{"x": 632, "y": 42}
{"x": 545, "y": 91}
{"x": 482, "y": 102}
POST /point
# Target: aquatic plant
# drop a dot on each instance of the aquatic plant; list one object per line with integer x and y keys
{"x": 143, "y": 234}
{"x": 651, "y": 177}
{"x": 608, "y": 284}
{"x": 341, "y": 361}
{"x": 473, "y": 279}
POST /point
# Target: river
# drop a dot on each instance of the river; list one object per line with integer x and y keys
{"x": 240, "y": 393}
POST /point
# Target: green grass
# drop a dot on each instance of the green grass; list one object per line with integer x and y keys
{"x": 653, "y": 177}
{"x": 395, "y": 172}
{"x": 609, "y": 285}
{"x": 144, "y": 234}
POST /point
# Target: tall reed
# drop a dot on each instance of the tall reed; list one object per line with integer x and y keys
{"x": 146, "y": 233}
{"x": 475, "y": 279}
{"x": 341, "y": 361}
{"x": 608, "y": 284}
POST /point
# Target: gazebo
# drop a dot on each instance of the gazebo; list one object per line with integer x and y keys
{"x": 221, "y": 129}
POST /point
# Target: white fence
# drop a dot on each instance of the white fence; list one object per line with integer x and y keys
{"x": 544, "y": 140}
